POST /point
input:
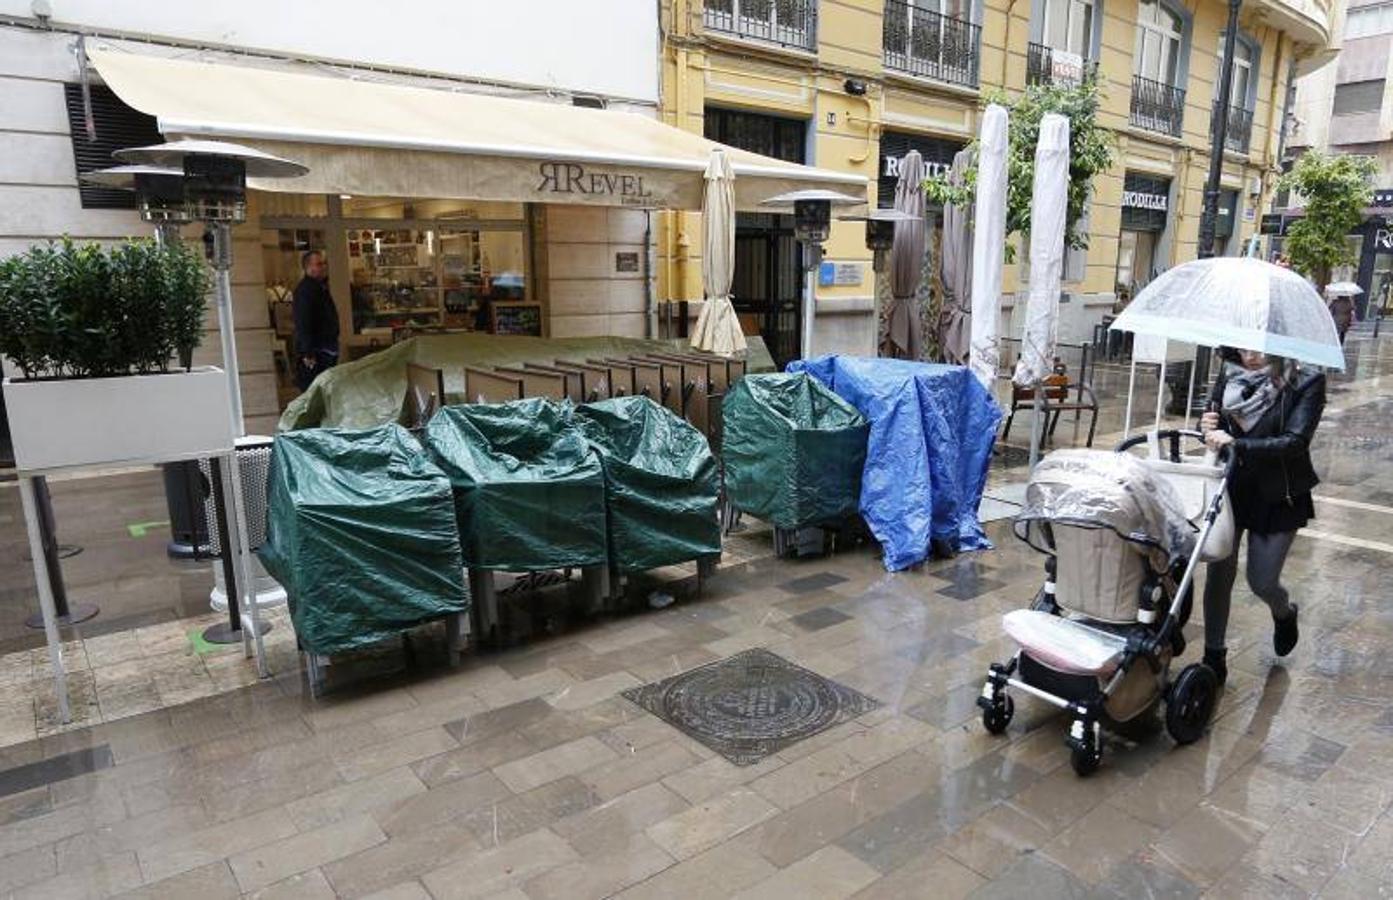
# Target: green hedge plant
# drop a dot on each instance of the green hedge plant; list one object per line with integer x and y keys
{"x": 84, "y": 311}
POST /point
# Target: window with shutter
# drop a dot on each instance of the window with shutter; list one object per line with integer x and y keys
{"x": 117, "y": 126}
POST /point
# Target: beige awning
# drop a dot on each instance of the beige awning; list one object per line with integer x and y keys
{"x": 393, "y": 140}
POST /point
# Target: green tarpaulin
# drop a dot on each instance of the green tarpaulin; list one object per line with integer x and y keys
{"x": 361, "y": 533}
{"x": 370, "y": 391}
{"x": 529, "y": 494}
{"x": 660, "y": 483}
{"x": 793, "y": 450}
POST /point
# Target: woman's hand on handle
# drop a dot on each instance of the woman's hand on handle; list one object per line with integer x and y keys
{"x": 1209, "y": 422}
{"x": 1216, "y": 438}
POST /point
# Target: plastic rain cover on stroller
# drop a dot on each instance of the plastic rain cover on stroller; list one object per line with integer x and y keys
{"x": 1098, "y": 489}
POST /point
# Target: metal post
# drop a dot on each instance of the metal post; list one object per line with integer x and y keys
{"x": 231, "y": 632}
{"x": 814, "y": 257}
{"x": 1035, "y": 426}
{"x": 48, "y": 537}
{"x": 1209, "y": 217}
{"x": 41, "y": 584}
{"x": 219, "y": 239}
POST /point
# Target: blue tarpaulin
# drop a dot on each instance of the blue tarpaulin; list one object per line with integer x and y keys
{"x": 932, "y": 430}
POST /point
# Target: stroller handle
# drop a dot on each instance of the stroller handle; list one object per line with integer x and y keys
{"x": 1171, "y": 435}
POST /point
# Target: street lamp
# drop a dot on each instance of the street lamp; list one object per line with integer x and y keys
{"x": 812, "y": 225}
{"x": 214, "y": 192}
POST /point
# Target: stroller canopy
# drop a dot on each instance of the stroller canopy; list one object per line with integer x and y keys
{"x": 1097, "y": 489}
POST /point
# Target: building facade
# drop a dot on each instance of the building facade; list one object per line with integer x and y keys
{"x": 1347, "y": 107}
{"x": 854, "y": 84}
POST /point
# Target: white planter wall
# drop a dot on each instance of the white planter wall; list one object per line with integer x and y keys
{"x": 111, "y": 421}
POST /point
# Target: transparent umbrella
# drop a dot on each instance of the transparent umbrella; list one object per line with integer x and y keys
{"x": 1343, "y": 289}
{"x": 1247, "y": 304}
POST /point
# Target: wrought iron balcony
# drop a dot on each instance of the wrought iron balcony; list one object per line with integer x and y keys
{"x": 1157, "y": 106}
{"x": 1045, "y": 65}
{"x": 787, "y": 23}
{"x": 931, "y": 45}
{"x": 1240, "y": 128}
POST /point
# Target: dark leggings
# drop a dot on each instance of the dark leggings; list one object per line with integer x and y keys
{"x": 1267, "y": 553}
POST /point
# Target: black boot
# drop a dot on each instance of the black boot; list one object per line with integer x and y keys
{"x": 1284, "y": 633}
{"x": 1215, "y": 659}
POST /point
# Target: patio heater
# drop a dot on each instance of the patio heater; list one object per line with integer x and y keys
{"x": 215, "y": 193}
{"x": 880, "y": 233}
{"x": 812, "y": 225}
{"x": 160, "y": 193}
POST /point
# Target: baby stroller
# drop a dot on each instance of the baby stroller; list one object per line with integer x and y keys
{"x": 1122, "y": 552}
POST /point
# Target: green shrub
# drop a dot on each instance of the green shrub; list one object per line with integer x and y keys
{"x": 69, "y": 310}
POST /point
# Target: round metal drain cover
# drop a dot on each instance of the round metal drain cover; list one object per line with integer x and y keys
{"x": 751, "y": 705}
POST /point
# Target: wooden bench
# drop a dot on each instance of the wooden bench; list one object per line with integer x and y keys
{"x": 1060, "y": 395}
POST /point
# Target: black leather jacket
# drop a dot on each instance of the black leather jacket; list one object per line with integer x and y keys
{"x": 1271, "y": 488}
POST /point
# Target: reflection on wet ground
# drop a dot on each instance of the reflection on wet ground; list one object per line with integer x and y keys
{"x": 526, "y": 773}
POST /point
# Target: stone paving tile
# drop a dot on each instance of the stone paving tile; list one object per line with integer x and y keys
{"x": 829, "y": 874}
{"x": 101, "y": 877}
{"x": 271, "y": 863}
{"x": 495, "y": 870}
{"x": 211, "y": 882}
{"x": 514, "y": 816}
{"x": 400, "y": 859}
{"x": 711, "y": 822}
{"x": 630, "y": 859}
{"x": 557, "y": 762}
{"x": 714, "y": 875}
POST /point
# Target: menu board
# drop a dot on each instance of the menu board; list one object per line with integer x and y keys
{"x": 517, "y": 318}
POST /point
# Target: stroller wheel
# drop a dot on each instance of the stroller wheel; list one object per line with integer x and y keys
{"x": 996, "y": 714}
{"x": 1086, "y": 752}
{"x": 1190, "y": 703}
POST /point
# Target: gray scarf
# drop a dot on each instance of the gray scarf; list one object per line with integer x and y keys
{"x": 1249, "y": 394}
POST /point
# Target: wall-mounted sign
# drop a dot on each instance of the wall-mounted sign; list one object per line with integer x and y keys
{"x": 1383, "y": 241}
{"x": 831, "y": 274}
{"x": 1383, "y": 197}
{"x": 626, "y": 262}
{"x": 1145, "y": 201}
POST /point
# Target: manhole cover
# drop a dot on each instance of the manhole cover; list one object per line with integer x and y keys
{"x": 751, "y": 705}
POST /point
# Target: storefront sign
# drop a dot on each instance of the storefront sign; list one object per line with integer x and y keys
{"x": 1143, "y": 200}
{"x": 938, "y": 156}
{"x": 572, "y": 178}
{"x": 1383, "y": 240}
{"x": 1383, "y": 197}
{"x": 840, "y": 274}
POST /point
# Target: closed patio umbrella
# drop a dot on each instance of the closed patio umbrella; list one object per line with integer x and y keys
{"x": 903, "y": 339}
{"x": 1048, "y": 217}
{"x": 954, "y": 322}
{"x": 717, "y": 328}
{"x": 988, "y": 241}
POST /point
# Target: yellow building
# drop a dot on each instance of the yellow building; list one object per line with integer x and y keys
{"x": 854, "y": 84}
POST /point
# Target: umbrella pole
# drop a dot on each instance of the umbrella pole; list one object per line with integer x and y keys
{"x": 1190, "y": 395}
{"x": 1131, "y": 388}
{"x": 1161, "y": 393}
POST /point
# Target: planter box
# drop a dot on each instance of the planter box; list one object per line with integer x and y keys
{"x": 128, "y": 419}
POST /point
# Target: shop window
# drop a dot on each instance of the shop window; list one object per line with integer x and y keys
{"x": 1358, "y": 97}
{"x": 115, "y": 126}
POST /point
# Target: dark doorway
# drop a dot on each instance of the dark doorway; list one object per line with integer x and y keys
{"x": 767, "y": 288}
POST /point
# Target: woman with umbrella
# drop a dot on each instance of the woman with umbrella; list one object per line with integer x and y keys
{"x": 1341, "y": 297}
{"x": 1264, "y": 409}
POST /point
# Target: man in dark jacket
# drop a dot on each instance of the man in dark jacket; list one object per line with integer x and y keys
{"x": 316, "y": 321}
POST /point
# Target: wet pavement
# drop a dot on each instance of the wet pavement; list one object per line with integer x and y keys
{"x": 528, "y": 774}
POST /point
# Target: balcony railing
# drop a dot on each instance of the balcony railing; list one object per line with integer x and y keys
{"x": 788, "y": 23}
{"x": 1240, "y": 128}
{"x": 1157, "y": 106}
{"x": 931, "y": 45}
{"x": 1045, "y": 65}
